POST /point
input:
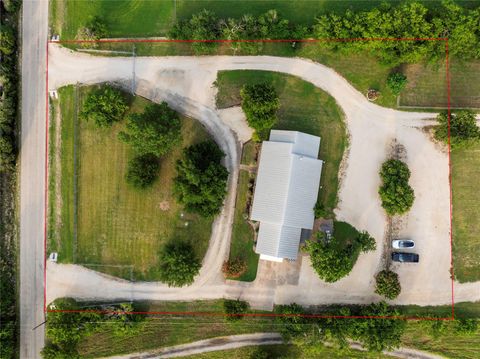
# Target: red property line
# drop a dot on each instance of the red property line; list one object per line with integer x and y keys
{"x": 452, "y": 317}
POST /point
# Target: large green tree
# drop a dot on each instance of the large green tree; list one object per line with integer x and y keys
{"x": 201, "y": 179}
{"x": 178, "y": 264}
{"x": 396, "y": 194}
{"x": 260, "y": 103}
{"x": 463, "y": 129}
{"x": 155, "y": 131}
{"x": 104, "y": 106}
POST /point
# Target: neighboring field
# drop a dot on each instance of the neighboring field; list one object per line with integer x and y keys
{"x": 242, "y": 233}
{"x": 466, "y": 211}
{"x": 120, "y": 229}
{"x": 303, "y": 107}
{"x": 172, "y": 330}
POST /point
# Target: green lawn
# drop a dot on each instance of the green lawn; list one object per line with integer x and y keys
{"x": 242, "y": 233}
{"x": 303, "y": 107}
{"x": 466, "y": 210}
{"x": 120, "y": 230}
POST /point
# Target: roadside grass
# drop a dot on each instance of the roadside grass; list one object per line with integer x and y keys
{"x": 52, "y": 231}
{"x": 121, "y": 230}
{"x": 61, "y": 235}
{"x": 303, "y": 107}
{"x": 466, "y": 210}
{"x": 241, "y": 245}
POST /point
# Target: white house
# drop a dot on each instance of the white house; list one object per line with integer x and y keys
{"x": 286, "y": 191}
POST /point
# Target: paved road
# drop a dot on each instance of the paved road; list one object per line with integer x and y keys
{"x": 32, "y": 177}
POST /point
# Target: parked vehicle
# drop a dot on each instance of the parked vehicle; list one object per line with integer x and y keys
{"x": 403, "y": 244}
{"x": 405, "y": 257}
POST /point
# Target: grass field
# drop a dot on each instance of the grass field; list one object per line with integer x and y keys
{"x": 242, "y": 233}
{"x": 303, "y": 107}
{"x": 162, "y": 331}
{"x": 120, "y": 229}
{"x": 466, "y": 213}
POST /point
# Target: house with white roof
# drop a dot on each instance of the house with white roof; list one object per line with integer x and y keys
{"x": 286, "y": 191}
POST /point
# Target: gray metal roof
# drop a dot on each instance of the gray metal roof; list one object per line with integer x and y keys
{"x": 286, "y": 191}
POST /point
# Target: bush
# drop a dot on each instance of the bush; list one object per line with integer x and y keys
{"x": 201, "y": 179}
{"x": 234, "y": 309}
{"x": 234, "y": 268}
{"x": 387, "y": 284}
{"x": 178, "y": 264}
{"x": 291, "y": 320}
{"x": 104, "y": 106}
{"x": 319, "y": 210}
{"x": 7, "y": 40}
{"x": 463, "y": 128}
{"x": 367, "y": 243}
{"x": 466, "y": 326}
{"x": 142, "y": 170}
{"x": 94, "y": 30}
{"x": 155, "y": 131}
{"x": 396, "y": 194}
{"x": 7, "y": 154}
{"x": 260, "y": 104}
{"x": 396, "y": 82}
{"x": 123, "y": 322}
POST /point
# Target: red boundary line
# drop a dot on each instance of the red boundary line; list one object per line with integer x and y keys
{"x": 215, "y": 314}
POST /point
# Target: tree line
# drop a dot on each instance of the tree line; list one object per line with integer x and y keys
{"x": 408, "y": 20}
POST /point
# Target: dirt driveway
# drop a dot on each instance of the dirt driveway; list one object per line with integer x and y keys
{"x": 187, "y": 84}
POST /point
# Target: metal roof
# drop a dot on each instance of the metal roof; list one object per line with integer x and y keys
{"x": 286, "y": 191}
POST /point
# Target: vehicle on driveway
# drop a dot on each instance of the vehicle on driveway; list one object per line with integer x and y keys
{"x": 405, "y": 257}
{"x": 403, "y": 244}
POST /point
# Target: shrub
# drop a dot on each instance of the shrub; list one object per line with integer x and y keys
{"x": 201, "y": 179}
{"x": 319, "y": 210}
{"x": 387, "y": 284}
{"x": 178, "y": 264}
{"x": 155, "y": 131}
{"x": 94, "y": 30}
{"x": 123, "y": 322}
{"x": 142, "y": 170}
{"x": 396, "y": 194}
{"x": 291, "y": 320}
{"x": 466, "y": 326}
{"x": 463, "y": 128}
{"x": 260, "y": 104}
{"x": 396, "y": 82}
{"x": 7, "y": 40}
{"x": 7, "y": 154}
{"x": 235, "y": 267}
{"x": 104, "y": 106}
{"x": 235, "y": 309}
{"x": 367, "y": 242}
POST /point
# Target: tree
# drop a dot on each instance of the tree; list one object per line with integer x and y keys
{"x": 123, "y": 321}
{"x": 104, "y": 106}
{"x": 366, "y": 241}
{"x": 142, "y": 170}
{"x": 55, "y": 351}
{"x": 7, "y": 40}
{"x": 319, "y": 210}
{"x": 260, "y": 104}
{"x": 396, "y": 194}
{"x": 178, "y": 264}
{"x": 234, "y": 309}
{"x": 235, "y": 267}
{"x": 387, "y": 284}
{"x": 201, "y": 179}
{"x": 382, "y": 332}
{"x": 396, "y": 82}
{"x": 291, "y": 320}
{"x": 329, "y": 261}
{"x": 463, "y": 128}
{"x": 155, "y": 131}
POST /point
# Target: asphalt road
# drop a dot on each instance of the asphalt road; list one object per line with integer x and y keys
{"x": 32, "y": 177}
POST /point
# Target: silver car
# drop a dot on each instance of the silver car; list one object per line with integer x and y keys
{"x": 403, "y": 244}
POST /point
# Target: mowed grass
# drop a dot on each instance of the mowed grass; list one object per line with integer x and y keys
{"x": 61, "y": 180}
{"x": 123, "y": 18}
{"x": 466, "y": 213}
{"x": 241, "y": 245}
{"x": 303, "y": 107}
{"x": 122, "y": 230}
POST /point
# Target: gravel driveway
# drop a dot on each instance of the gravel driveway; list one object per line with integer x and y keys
{"x": 187, "y": 84}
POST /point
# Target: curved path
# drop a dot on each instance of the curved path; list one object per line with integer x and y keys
{"x": 187, "y": 84}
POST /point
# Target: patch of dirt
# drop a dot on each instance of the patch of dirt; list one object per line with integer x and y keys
{"x": 164, "y": 205}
